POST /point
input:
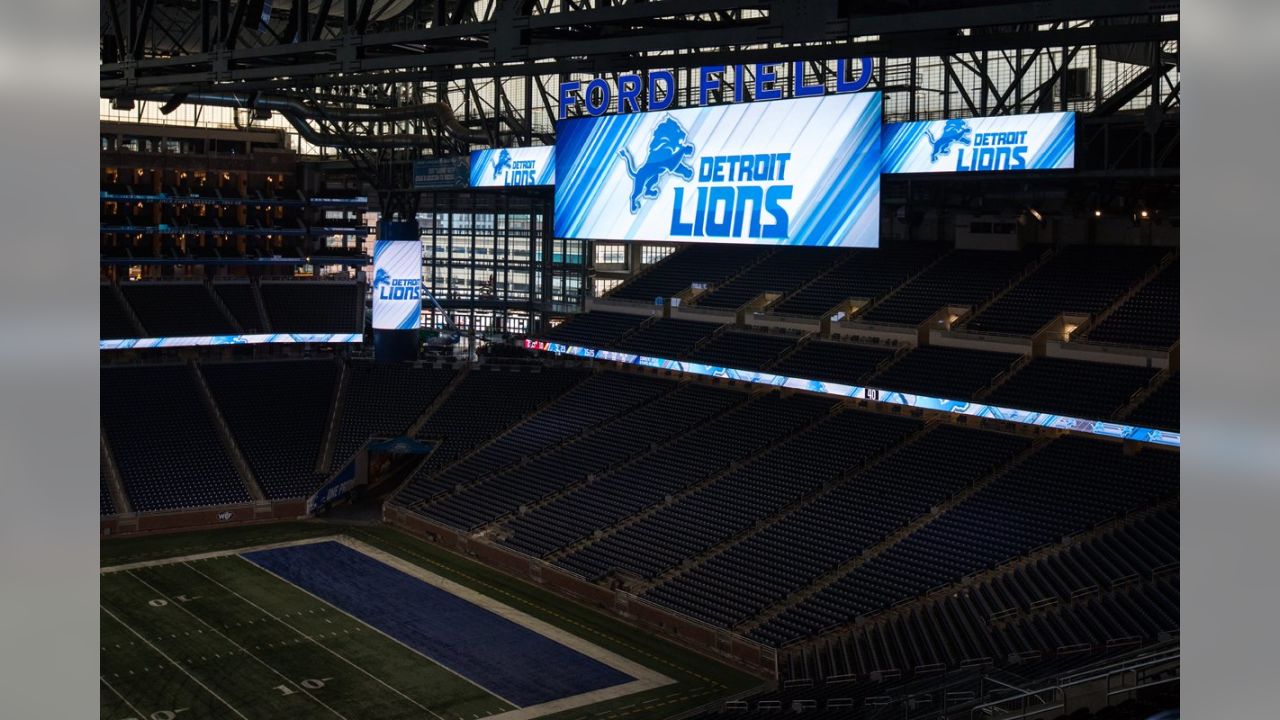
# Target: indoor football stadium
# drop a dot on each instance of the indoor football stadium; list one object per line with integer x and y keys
{"x": 623, "y": 359}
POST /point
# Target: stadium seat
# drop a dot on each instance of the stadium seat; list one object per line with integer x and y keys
{"x": 113, "y": 318}
{"x": 594, "y": 329}
{"x": 1148, "y": 319}
{"x": 176, "y": 309}
{"x": 1078, "y": 279}
{"x": 382, "y": 399}
{"x": 708, "y": 264}
{"x": 833, "y": 362}
{"x": 1161, "y": 408}
{"x": 963, "y": 278}
{"x": 743, "y": 351}
{"x": 670, "y": 469}
{"x": 836, "y": 526}
{"x": 866, "y": 273}
{"x": 666, "y": 338}
{"x": 935, "y": 371}
{"x": 1075, "y": 388}
{"x": 165, "y": 443}
{"x": 456, "y": 428}
{"x": 278, "y": 413}
{"x": 786, "y": 270}
{"x": 314, "y": 307}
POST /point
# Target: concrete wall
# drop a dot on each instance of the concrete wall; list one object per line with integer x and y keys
{"x": 203, "y": 518}
{"x": 1107, "y": 354}
{"x": 974, "y": 341}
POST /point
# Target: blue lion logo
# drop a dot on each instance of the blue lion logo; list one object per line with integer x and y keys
{"x": 955, "y": 131}
{"x": 381, "y": 278}
{"x": 504, "y": 160}
{"x": 669, "y": 152}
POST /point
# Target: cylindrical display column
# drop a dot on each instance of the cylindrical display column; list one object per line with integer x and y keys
{"x": 397, "y": 291}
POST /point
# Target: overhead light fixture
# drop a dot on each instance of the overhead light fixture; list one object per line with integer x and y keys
{"x": 1035, "y": 214}
{"x": 1097, "y": 213}
{"x": 1144, "y": 214}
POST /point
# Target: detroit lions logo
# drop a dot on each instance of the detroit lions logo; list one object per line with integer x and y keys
{"x": 502, "y": 163}
{"x": 669, "y": 152}
{"x": 955, "y": 131}
{"x": 381, "y": 278}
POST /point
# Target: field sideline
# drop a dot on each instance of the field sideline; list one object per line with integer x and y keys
{"x": 215, "y": 634}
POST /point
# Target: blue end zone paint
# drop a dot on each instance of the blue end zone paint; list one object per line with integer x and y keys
{"x": 506, "y": 659}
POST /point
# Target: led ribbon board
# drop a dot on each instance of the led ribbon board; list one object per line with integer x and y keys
{"x": 260, "y": 339}
{"x": 804, "y": 171}
{"x": 513, "y": 167}
{"x": 397, "y": 284}
{"x": 961, "y": 407}
{"x": 1045, "y": 141}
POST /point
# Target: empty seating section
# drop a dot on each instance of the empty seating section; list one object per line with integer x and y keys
{"x": 832, "y": 362}
{"x": 782, "y": 517}
{"x": 836, "y": 526}
{"x": 314, "y": 307}
{"x": 239, "y": 300}
{"x": 743, "y": 351}
{"x": 623, "y": 438}
{"x": 710, "y": 264}
{"x": 105, "y": 505}
{"x": 867, "y": 273}
{"x": 1105, "y": 561}
{"x": 1070, "y": 485}
{"x": 481, "y": 406}
{"x": 964, "y": 278}
{"x": 176, "y": 309}
{"x": 165, "y": 443}
{"x": 1082, "y": 594}
{"x": 382, "y": 399}
{"x": 735, "y": 502}
{"x": 945, "y": 372}
{"x": 1075, "y": 388}
{"x": 278, "y": 413}
{"x": 692, "y": 457}
{"x": 113, "y": 318}
{"x": 783, "y": 273}
{"x": 666, "y": 338}
{"x": 1160, "y": 408}
{"x": 1079, "y": 279}
{"x": 1149, "y": 318}
{"x": 593, "y": 401}
{"x": 594, "y": 329}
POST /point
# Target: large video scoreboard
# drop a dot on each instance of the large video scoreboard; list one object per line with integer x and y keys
{"x": 803, "y": 171}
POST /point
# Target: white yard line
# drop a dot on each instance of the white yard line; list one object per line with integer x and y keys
{"x": 271, "y": 615}
{"x": 242, "y": 648}
{"x": 123, "y": 699}
{"x": 173, "y": 662}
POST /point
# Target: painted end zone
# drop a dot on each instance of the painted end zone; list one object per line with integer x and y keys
{"x": 491, "y": 651}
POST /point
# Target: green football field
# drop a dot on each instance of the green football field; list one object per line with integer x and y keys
{"x": 190, "y": 629}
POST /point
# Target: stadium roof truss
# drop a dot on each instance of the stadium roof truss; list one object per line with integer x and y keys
{"x": 477, "y": 54}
